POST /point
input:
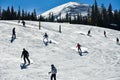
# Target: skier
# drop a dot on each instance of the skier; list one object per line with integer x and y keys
{"x": 25, "y": 56}
{"x": 117, "y": 40}
{"x": 53, "y": 72}
{"x": 89, "y": 32}
{"x": 13, "y": 33}
{"x": 23, "y": 22}
{"x": 79, "y": 47}
{"x": 105, "y": 33}
{"x": 45, "y": 37}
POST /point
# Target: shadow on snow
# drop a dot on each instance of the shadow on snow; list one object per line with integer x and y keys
{"x": 12, "y": 39}
{"x": 24, "y": 66}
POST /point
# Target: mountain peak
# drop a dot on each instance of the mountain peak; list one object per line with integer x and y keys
{"x": 72, "y": 3}
{"x": 71, "y": 7}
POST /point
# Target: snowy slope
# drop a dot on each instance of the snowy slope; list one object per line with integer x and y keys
{"x": 102, "y": 62}
{"x": 72, "y": 8}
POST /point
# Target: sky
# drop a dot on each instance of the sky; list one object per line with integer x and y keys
{"x": 44, "y": 5}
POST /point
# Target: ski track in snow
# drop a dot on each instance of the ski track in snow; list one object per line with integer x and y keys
{"x": 102, "y": 62}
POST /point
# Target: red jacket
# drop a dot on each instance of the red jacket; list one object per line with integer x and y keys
{"x": 78, "y": 45}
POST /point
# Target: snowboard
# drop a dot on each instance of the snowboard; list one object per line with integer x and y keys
{"x": 12, "y": 39}
{"x": 25, "y": 66}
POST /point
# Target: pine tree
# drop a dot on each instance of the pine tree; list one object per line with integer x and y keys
{"x": 28, "y": 16}
{"x": 92, "y": 16}
{"x": 67, "y": 17}
{"x": 34, "y": 15}
{"x": 41, "y": 18}
{"x": 23, "y": 14}
{"x": 78, "y": 19}
{"x": 8, "y": 14}
{"x": 110, "y": 15}
{"x": 119, "y": 18}
{"x": 0, "y": 13}
{"x": 103, "y": 16}
{"x": 96, "y": 13}
{"x": 15, "y": 15}
{"x": 49, "y": 16}
{"x": 52, "y": 17}
{"x": 60, "y": 18}
{"x": 89, "y": 16}
{"x": 116, "y": 17}
{"x": 12, "y": 13}
{"x": 19, "y": 14}
{"x": 70, "y": 19}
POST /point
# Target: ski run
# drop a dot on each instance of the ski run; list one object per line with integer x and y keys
{"x": 101, "y": 62}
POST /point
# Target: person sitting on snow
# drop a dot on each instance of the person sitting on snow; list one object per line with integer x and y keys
{"x": 45, "y": 37}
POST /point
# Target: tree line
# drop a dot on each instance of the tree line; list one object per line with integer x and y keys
{"x": 11, "y": 14}
{"x": 104, "y": 17}
{"x": 97, "y": 16}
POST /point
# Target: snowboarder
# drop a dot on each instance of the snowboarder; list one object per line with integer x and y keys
{"x": 79, "y": 47}
{"x": 13, "y": 33}
{"x": 89, "y": 32}
{"x": 105, "y": 33}
{"x": 25, "y": 56}
{"x": 23, "y": 22}
{"x": 53, "y": 72}
{"x": 45, "y": 37}
{"x": 117, "y": 40}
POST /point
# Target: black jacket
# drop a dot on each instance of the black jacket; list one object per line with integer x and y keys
{"x": 13, "y": 31}
{"x": 25, "y": 53}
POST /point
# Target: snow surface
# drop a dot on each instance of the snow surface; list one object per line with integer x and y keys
{"x": 102, "y": 62}
{"x": 72, "y": 8}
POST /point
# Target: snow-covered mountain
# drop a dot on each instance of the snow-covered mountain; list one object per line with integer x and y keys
{"x": 102, "y": 62}
{"x": 72, "y": 8}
